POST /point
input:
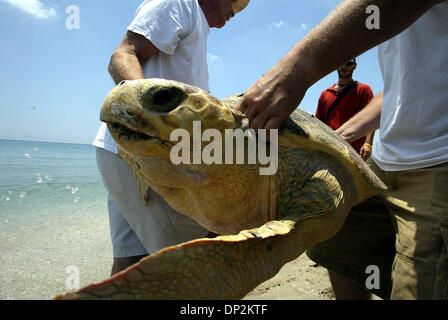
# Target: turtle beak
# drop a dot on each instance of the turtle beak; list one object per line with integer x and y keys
{"x": 120, "y": 107}
{"x": 124, "y": 115}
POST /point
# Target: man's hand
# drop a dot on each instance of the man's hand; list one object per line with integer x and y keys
{"x": 271, "y": 99}
{"x": 347, "y": 132}
{"x": 365, "y": 152}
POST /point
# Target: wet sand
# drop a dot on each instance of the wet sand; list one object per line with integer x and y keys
{"x": 34, "y": 258}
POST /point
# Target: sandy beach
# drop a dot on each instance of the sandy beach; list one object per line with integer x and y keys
{"x": 34, "y": 260}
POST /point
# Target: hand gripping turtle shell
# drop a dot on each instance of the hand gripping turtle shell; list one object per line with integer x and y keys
{"x": 264, "y": 221}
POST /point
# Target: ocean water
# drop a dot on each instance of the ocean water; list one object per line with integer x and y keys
{"x": 42, "y": 181}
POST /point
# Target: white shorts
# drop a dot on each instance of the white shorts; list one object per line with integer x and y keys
{"x": 137, "y": 229}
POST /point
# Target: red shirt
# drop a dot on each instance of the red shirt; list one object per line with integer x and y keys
{"x": 355, "y": 100}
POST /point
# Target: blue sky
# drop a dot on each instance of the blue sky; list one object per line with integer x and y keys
{"x": 53, "y": 80}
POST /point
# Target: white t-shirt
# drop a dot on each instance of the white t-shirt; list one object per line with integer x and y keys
{"x": 414, "y": 119}
{"x": 179, "y": 29}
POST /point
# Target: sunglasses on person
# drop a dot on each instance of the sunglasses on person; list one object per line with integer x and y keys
{"x": 350, "y": 63}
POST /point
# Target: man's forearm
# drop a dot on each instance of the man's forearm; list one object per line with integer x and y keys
{"x": 125, "y": 66}
{"x": 339, "y": 37}
{"x": 343, "y": 35}
{"x": 369, "y": 137}
{"x": 365, "y": 121}
{"x": 127, "y": 60}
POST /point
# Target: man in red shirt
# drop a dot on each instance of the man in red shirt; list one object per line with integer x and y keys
{"x": 342, "y": 101}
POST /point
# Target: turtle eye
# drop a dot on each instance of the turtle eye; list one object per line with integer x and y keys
{"x": 162, "y": 99}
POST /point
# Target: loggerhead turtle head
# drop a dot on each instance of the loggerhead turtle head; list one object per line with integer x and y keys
{"x": 142, "y": 114}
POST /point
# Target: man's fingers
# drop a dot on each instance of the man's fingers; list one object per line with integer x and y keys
{"x": 274, "y": 123}
{"x": 365, "y": 153}
{"x": 251, "y": 113}
{"x": 259, "y": 121}
{"x": 248, "y": 107}
{"x": 255, "y": 108}
{"x": 241, "y": 106}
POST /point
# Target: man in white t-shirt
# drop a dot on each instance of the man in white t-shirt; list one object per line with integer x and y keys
{"x": 167, "y": 39}
{"x": 394, "y": 245}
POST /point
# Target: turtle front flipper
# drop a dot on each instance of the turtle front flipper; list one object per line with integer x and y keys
{"x": 226, "y": 267}
{"x": 230, "y": 266}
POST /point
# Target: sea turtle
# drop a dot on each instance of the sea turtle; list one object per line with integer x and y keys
{"x": 264, "y": 221}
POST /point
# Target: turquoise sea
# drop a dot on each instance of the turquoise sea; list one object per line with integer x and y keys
{"x": 40, "y": 181}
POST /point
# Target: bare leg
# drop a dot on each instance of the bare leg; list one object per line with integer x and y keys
{"x": 122, "y": 263}
{"x": 345, "y": 289}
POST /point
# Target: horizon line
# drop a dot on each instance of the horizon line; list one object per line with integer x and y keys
{"x": 4, "y": 139}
